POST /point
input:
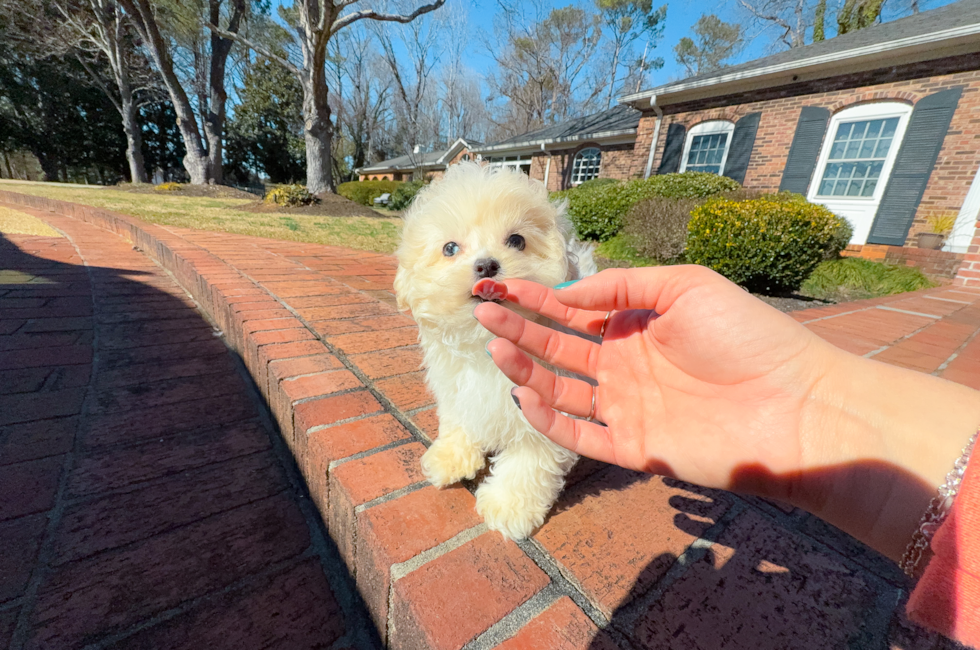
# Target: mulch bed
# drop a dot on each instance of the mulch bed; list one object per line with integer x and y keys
{"x": 330, "y": 205}
{"x": 197, "y": 191}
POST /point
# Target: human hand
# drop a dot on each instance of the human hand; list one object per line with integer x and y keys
{"x": 696, "y": 377}
{"x": 699, "y": 380}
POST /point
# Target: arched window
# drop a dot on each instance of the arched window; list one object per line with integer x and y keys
{"x": 465, "y": 157}
{"x": 586, "y": 165}
{"x": 706, "y": 149}
{"x": 858, "y": 153}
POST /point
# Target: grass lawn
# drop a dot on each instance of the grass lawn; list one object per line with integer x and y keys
{"x": 374, "y": 234}
{"x": 834, "y": 280}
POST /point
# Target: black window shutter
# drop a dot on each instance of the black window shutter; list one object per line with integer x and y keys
{"x": 805, "y": 149}
{"x": 740, "y": 150}
{"x": 673, "y": 149}
{"x": 913, "y": 166}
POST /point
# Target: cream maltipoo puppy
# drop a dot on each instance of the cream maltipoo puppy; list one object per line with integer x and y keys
{"x": 472, "y": 224}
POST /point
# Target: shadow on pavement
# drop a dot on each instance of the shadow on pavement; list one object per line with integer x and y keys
{"x": 148, "y": 501}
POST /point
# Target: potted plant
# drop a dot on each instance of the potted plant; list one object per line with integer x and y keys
{"x": 939, "y": 226}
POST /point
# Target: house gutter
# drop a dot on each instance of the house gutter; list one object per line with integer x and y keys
{"x": 656, "y": 134}
{"x": 542, "y": 143}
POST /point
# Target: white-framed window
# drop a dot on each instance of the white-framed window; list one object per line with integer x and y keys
{"x": 586, "y": 165}
{"x": 857, "y": 157}
{"x": 706, "y": 149}
{"x": 858, "y": 154}
{"x": 520, "y": 163}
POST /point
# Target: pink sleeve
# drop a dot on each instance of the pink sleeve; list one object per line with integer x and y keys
{"x": 947, "y": 597}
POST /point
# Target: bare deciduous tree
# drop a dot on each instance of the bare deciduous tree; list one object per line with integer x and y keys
{"x": 98, "y": 35}
{"x": 791, "y": 18}
{"x": 314, "y": 23}
{"x": 202, "y": 164}
{"x": 546, "y": 60}
{"x": 411, "y": 56}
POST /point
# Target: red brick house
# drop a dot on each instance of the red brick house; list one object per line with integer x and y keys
{"x": 430, "y": 164}
{"x": 569, "y": 153}
{"x": 881, "y": 125}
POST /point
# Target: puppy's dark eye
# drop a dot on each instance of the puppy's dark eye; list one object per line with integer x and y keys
{"x": 516, "y": 241}
{"x": 450, "y": 249}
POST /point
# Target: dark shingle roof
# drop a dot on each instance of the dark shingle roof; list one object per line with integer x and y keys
{"x": 617, "y": 118}
{"x": 415, "y": 160}
{"x": 408, "y": 161}
{"x": 958, "y": 14}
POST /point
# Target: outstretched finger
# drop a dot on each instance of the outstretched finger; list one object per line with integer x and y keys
{"x": 581, "y": 436}
{"x": 653, "y": 288}
{"x": 570, "y": 352}
{"x": 566, "y": 394}
{"x": 541, "y": 300}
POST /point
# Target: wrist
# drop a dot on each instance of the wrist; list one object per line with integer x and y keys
{"x": 876, "y": 443}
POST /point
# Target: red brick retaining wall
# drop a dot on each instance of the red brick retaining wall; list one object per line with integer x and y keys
{"x": 941, "y": 264}
{"x": 339, "y": 369}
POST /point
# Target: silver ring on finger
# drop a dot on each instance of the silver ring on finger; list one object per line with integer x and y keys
{"x": 605, "y": 321}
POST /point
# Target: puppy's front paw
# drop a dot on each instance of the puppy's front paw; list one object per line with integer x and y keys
{"x": 506, "y": 512}
{"x": 450, "y": 461}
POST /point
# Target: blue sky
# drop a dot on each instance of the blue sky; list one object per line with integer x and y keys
{"x": 681, "y": 16}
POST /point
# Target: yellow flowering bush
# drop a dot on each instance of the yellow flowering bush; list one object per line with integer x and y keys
{"x": 290, "y": 196}
{"x": 769, "y": 244}
{"x": 167, "y": 187}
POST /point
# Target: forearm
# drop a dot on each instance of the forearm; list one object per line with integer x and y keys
{"x": 878, "y": 441}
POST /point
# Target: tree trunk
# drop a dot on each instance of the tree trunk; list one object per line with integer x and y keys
{"x": 612, "y": 84}
{"x": 318, "y": 131}
{"x": 214, "y": 122}
{"x": 134, "y": 141}
{"x": 196, "y": 160}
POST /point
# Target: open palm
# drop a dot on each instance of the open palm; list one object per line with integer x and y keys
{"x": 696, "y": 378}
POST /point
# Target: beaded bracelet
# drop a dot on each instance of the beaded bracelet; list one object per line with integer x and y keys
{"x": 936, "y": 512}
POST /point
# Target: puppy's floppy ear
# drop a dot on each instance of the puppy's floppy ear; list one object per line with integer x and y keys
{"x": 401, "y": 288}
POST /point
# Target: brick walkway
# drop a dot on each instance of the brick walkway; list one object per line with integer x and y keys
{"x": 339, "y": 369}
{"x": 144, "y": 503}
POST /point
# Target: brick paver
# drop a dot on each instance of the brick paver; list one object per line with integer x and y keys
{"x": 339, "y": 369}
{"x": 191, "y": 532}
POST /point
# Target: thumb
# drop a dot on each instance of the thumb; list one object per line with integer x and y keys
{"x": 656, "y": 288}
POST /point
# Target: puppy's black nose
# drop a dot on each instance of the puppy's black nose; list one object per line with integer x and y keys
{"x": 486, "y": 267}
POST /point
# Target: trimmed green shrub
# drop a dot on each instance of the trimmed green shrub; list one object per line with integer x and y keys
{"x": 691, "y": 185}
{"x": 290, "y": 196}
{"x": 365, "y": 192}
{"x": 622, "y": 248}
{"x": 404, "y": 194}
{"x": 768, "y": 245}
{"x": 839, "y": 241}
{"x": 598, "y": 211}
{"x": 597, "y": 182}
{"x": 658, "y": 226}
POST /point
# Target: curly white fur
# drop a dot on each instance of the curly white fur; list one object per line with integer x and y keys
{"x": 479, "y": 209}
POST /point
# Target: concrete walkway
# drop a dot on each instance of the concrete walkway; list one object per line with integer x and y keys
{"x": 146, "y": 501}
{"x": 340, "y": 370}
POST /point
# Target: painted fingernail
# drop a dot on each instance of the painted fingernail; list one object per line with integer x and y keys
{"x": 565, "y": 285}
{"x": 486, "y": 348}
{"x": 516, "y": 401}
